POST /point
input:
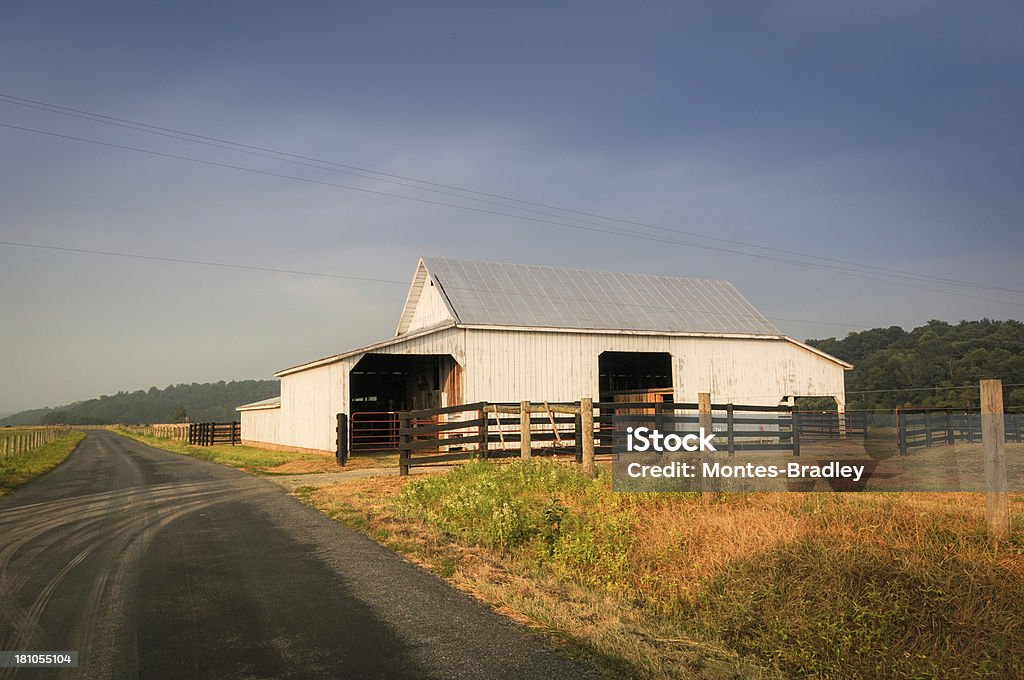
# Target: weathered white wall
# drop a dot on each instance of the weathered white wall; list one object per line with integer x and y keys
{"x": 311, "y": 399}
{"x": 509, "y": 366}
{"x": 260, "y": 425}
{"x": 430, "y": 309}
{"x": 506, "y": 365}
{"x": 310, "y": 402}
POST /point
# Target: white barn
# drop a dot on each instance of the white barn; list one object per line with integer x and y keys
{"x": 481, "y": 331}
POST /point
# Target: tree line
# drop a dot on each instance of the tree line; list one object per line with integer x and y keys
{"x": 198, "y": 402}
{"x": 937, "y": 364}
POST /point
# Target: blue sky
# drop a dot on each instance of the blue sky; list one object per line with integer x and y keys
{"x": 884, "y": 133}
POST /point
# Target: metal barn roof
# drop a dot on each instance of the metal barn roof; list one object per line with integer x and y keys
{"x": 495, "y": 294}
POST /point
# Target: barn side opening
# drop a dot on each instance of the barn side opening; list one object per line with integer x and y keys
{"x": 635, "y": 376}
{"x": 381, "y": 385}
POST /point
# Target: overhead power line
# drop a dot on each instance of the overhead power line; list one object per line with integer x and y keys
{"x": 646, "y": 237}
{"x": 205, "y": 263}
{"x": 228, "y": 265}
{"x": 412, "y": 182}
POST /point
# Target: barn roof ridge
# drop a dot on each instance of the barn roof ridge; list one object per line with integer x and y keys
{"x": 508, "y": 294}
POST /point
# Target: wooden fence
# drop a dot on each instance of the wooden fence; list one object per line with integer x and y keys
{"x": 928, "y": 427}
{"x": 737, "y": 427}
{"x": 829, "y": 425}
{"x": 211, "y": 434}
{"x": 483, "y": 430}
{"x": 178, "y": 431}
{"x": 23, "y": 441}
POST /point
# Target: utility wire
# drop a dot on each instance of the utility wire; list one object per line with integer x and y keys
{"x": 434, "y": 186}
{"x": 208, "y": 263}
{"x": 638, "y": 235}
{"x": 205, "y": 263}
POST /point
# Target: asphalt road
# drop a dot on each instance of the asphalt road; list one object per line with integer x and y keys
{"x": 155, "y": 565}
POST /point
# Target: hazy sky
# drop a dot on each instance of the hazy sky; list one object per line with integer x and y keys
{"x": 884, "y": 133}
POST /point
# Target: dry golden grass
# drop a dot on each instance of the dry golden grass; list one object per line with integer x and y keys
{"x": 755, "y": 585}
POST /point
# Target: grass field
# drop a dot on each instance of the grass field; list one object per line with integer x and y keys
{"x": 248, "y": 458}
{"x": 754, "y": 585}
{"x": 19, "y": 469}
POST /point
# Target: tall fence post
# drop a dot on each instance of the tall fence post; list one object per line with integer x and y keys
{"x": 342, "y": 444}
{"x": 901, "y": 431}
{"x": 524, "y": 429}
{"x": 404, "y": 440}
{"x": 993, "y": 443}
{"x": 484, "y": 428}
{"x": 730, "y": 428}
{"x": 794, "y": 418}
{"x": 578, "y": 434}
{"x": 587, "y": 427}
{"x": 705, "y": 424}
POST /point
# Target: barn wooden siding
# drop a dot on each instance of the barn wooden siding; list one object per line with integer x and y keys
{"x": 430, "y": 310}
{"x": 513, "y": 365}
{"x": 260, "y": 425}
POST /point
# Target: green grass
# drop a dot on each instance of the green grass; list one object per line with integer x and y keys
{"x": 16, "y": 470}
{"x": 793, "y": 585}
{"x": 248, "y": 458}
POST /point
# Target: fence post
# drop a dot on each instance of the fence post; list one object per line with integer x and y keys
{"x": 794, "y": 417}
{"x": 901, "y": 431}
{"x": 484, "y": 434}
{"x": 928, "y": 429}
{"x": 524, "y": 429}
{"x": 730, "y": 428}
{"x": 704, "y": 422}
{"x": 587, "y": 427}
{"x": 578, "y": 434}
{"x": 993, "y": 437}
{"x": 341, "y": 451}
{"x": 404, "y": 440}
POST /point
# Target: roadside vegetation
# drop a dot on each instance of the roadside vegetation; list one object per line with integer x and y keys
{"x": 675, "y": 585}
{"x": 18, "y": 469}
{"x": 247, "y": 458}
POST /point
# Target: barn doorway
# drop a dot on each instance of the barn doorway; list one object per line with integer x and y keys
{"x": 382, "y": 385}
{"x": 635, "y": 376}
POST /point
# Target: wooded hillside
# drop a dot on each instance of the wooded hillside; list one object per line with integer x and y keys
{"x": 198, "y": 401}
{"x": 936, "y": 355}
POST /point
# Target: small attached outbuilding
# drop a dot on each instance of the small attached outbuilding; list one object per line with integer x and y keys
{"x": 484, "y": 331}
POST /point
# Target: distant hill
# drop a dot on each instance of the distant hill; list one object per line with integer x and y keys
{"x": 200, "y": 402}
{"x": 936, "y": 355}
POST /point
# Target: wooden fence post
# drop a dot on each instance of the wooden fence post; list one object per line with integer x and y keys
{"x": 578, "y": 435}
{"x": 794, "y": 420}
{"x": 704, "y": 422}
{"x": 993, "y": 438}
{"x": 404, "y": 439}
{"x": 341, "y": 450}
{"x": 587, "y": 427}
{"x": 524, "y": 429}
{"x": 901, "y": 431}
{"x": 730, "y": 428}
{"x": 484, "y": 433}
